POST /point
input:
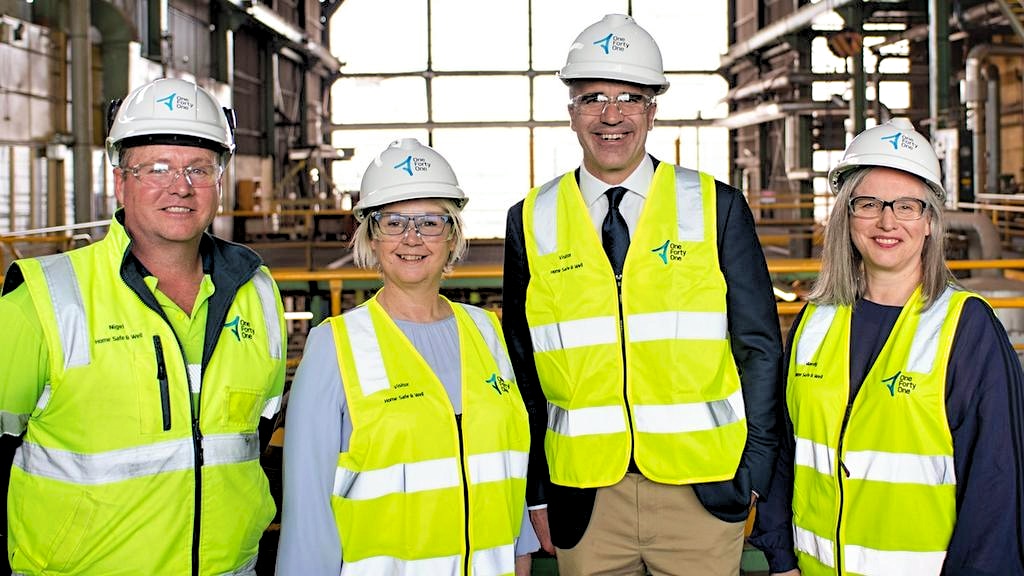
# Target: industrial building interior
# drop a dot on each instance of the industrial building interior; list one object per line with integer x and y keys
{"x": 766, "y": 95}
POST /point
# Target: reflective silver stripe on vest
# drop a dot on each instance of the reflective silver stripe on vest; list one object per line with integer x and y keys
{"x": 586, "y": 421}
{"x": 247, "y": 569}
{"x": 497, "y": 466}
{"x": 494, "y": 561}
{"x": 689, "y": 206}
{"x": 377, "y": 565}
{"x": 813, "y": 333}
{"x": 486, "y": 328}
{"x": 397, "y": 479}
{"x": 129, "y": 463}
{"x": 925, "y": 346}
{"x": 892, "y": 467}
{"x": 195, "y": 377}
{"x": 862, "y": 560}
{"x": 271, "y": 407}
{"x": 676, "y": 418}
{"x": 814, "y": 455}
{"x": 265, "y": 288}
{"x": 810, "y": 543}
{"x": 545, "y": 218}
{"x": 677, "y": 326}
{"x": 66, "y": 298}
{"x": 900, "y": 468}
{"x": 575, "y": 334}
{"x": 923, "y": 349}
{"x": 369, "y": 362}
{"x": 44, "y": 398}
{"x": 13, "y": 424}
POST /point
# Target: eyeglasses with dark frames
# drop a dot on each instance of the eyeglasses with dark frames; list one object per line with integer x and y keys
{"x": 902, "y": 208}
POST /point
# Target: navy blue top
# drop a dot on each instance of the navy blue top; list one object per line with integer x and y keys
{"x": 985, "y": 410}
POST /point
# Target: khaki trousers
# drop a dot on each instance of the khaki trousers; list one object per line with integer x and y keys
{"x": 640, "y": 525}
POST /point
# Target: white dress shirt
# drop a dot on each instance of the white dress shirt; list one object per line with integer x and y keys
{"x": 638, "y": 183}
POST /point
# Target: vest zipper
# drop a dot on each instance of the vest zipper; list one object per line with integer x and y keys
{"x": 465, "y": 491}
{"x": 161, "y": 378}
{"x": 622, "y": 350}
{"x": 197, "y": 435}
{"x": 839, "y": 477}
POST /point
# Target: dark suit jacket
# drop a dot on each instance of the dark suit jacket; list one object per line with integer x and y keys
{"x": 756, "y": 345}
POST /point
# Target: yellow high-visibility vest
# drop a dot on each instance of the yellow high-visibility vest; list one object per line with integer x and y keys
{"x": 416, "y": 493}
{"x": 110, "y": 478}
{"x": 680, "y": 408}
{"x": 880, "y": 496}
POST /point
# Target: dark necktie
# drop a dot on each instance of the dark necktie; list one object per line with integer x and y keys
{"x": 614, "y": 232}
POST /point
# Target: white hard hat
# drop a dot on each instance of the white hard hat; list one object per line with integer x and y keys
{"x": 894, "y": 144}
{"x": 616, "y": 48}
{"x": 407, "y": 170}
{"x": 169, "y": 111}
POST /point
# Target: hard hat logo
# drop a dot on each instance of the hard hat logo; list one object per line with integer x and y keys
{"x": 405, "y": 165}
{"x": 611, "y": 42}
{"x": 174, "y": 101}
{"x": 413, "y": 164}
{"x": 898, "y": 140}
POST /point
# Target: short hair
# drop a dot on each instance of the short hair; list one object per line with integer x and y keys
{"x": 841, "y": 281}
{"x": 362, "y": 240}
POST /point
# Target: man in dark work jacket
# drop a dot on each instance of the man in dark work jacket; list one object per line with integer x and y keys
{"x": 674, "y": 513}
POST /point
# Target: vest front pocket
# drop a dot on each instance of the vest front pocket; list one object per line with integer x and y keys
{"x": 244, "y": 408}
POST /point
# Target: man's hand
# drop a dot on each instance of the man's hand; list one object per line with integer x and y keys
{"x": 793, "y": 572}
{"x": 524, "y": 565}
{"x": 539, "y": 519}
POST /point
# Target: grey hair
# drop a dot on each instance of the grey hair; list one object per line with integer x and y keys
{"x": 841, "y": 280}
{"x": 362, "y": 240}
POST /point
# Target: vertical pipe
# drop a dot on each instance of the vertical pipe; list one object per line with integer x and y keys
{"x": 993, "y": 129}
{"x": 858, "y": 101}
{"x": 81, "y": 108}
{"x": 938, "y": 63}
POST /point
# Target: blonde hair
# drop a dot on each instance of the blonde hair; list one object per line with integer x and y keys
{"x": 362, "y": 240}
{"x": 841, "y": 281}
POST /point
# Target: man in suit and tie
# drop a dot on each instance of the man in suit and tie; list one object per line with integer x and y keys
{"x": 641, "y": 323}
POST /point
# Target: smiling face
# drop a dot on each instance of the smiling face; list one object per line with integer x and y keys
{"x": 613, "y": 144}
{"x": 889, "y": 246}
{"x": 161, "y": 216}
{"x": 409, "y": 259}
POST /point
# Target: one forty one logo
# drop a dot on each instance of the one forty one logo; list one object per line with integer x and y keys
{"x": 412, "y": 164}
{"x": 240, "y": 328}
{"x": 174, "y": 101}
{"x": 612, "y": 43}
{"x": 498, "y": 383}
{"x": 899, "y": 382}
{"x": 669, "y": 251}
{"x": 899, "y": 140}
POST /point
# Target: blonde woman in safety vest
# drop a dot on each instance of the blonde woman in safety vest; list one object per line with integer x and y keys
{"x": 407, "y": 440}
{"x": 903, "y": 392}
{"x": 138, "y": 368}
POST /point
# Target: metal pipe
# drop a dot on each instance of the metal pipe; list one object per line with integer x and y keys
{"x": 81, "y": 108}
{"x": 938, "y": 63}
{"x": 795, "y": 22}
{"x": 993, "y": 129}
{"x": 974, "y": 96}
